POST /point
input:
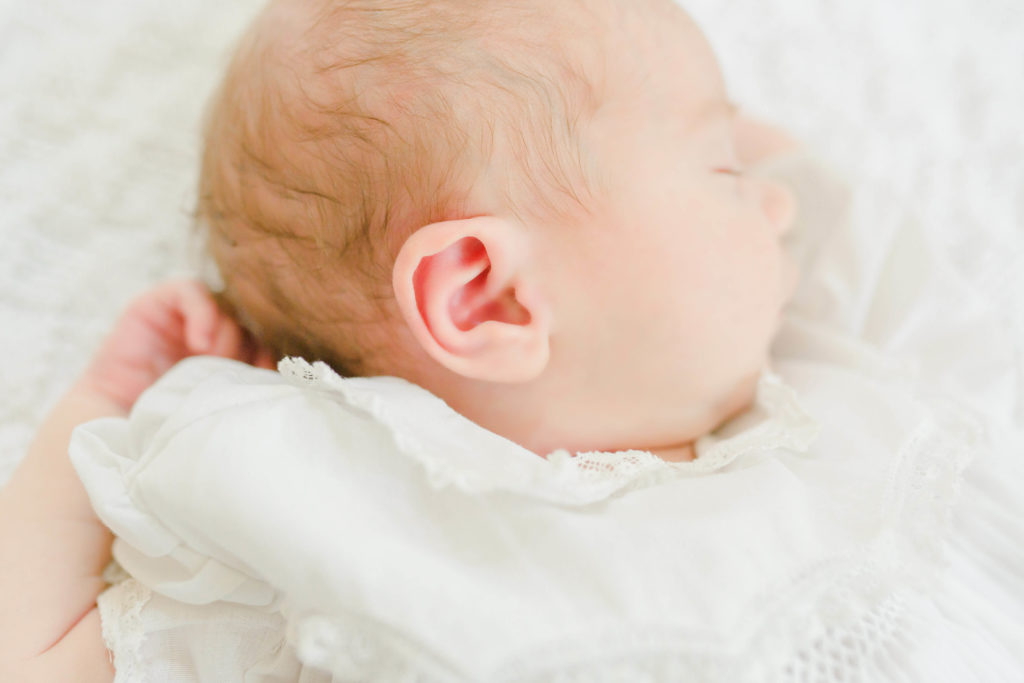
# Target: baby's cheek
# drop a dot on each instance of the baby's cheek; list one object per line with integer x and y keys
{"x": 770, "y": 276}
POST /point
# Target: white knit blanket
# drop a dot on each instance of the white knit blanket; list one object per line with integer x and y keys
{"x": 918, "y": 102}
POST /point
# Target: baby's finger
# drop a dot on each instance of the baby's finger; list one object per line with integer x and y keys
{"x": 264, "y": 358}
{"x": 199, "y": 313}
{"x": 227, "y": 339}
{"x": 255, "y": 353}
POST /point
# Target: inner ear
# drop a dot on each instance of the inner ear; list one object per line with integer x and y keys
{"x": 471, "y": 305}
{"x": 478, "y": 298}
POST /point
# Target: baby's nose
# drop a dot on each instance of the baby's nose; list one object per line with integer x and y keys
{"x": 779, "y": 205}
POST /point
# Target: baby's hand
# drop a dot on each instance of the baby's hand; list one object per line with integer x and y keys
{"x": 161, "y": 327}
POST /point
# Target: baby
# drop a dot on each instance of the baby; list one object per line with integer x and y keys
{"x": 541, "y": 214}
{"x": 536, "y": 211}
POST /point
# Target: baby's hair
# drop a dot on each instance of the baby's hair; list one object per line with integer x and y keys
{"x": 342, "y": 126}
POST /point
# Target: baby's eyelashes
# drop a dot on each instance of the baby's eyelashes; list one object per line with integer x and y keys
{"x": 738, "y": 179}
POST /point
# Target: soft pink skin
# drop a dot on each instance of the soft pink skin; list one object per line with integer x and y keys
{"x": 647, "y": 326}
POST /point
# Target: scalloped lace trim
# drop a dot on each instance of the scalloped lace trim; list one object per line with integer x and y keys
{"x": 589, "y": 476}
{"x": 440, "y": 471}
{"x": 120, "y": 609}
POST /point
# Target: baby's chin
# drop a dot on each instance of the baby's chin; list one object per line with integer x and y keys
{"x": 737, "y": 399}
{"x": 743, "y": 396}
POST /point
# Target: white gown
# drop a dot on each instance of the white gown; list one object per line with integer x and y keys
{"x": 861, "y": 522}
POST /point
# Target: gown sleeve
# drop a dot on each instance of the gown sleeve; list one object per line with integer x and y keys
{"x": 181, "y": 615}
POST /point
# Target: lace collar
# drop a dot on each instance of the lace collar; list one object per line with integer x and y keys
{"x": 455, "y": 451}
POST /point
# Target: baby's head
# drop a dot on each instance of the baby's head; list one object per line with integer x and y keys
{"x": 529, "y": 208}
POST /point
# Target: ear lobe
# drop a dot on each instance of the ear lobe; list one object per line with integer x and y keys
{"x": 466, "y": 292}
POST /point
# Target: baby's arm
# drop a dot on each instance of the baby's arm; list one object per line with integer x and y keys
{"x": 52, "y": 551}
{"x": 53, "y": 548}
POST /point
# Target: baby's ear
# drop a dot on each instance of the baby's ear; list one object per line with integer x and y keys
{"x": 467, "y": 291}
